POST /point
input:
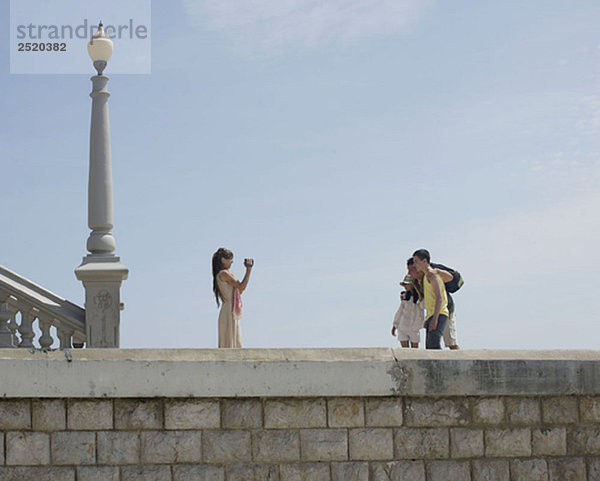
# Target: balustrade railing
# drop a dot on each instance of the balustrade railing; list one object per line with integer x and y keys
{"x": 22, "y": 303}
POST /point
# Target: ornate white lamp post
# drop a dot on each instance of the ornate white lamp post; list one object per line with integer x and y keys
{"x": 101, "y": 271}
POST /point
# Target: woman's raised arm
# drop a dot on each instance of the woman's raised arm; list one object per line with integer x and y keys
{"x": 228, "y": 277}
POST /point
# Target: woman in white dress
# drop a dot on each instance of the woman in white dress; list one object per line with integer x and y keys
{"x": 228, "y": 291}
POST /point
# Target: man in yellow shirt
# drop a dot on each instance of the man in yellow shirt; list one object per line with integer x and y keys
{"x": 450, "y": 331}
{"x": 436, "y": 300}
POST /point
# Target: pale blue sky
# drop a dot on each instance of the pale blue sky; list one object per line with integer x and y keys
{"x": 328, "y": 140}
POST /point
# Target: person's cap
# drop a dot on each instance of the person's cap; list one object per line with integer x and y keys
{"x": 407, "y": 280}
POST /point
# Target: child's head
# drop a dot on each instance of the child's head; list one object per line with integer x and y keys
{"x": 407, "y": 282}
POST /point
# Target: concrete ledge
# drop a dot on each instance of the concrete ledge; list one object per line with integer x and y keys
{"x": 122, "y": 373}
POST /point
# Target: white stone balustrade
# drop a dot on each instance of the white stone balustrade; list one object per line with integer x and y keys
{"x": 22, "y": 300}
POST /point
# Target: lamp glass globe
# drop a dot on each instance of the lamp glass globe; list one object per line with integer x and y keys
{"x": 100, "y": 47}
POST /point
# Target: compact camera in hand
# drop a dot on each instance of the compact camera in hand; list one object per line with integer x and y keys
{"x": 248, "y": 262}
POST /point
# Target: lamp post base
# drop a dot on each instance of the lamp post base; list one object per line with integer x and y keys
{"x": 102, "y": 276}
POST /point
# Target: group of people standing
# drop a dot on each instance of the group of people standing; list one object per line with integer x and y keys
{"x": 426, "y": 302}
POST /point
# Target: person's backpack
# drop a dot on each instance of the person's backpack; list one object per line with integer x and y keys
{"x": 457, "y": 281}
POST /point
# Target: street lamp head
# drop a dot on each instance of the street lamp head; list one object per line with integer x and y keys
{"x": 100, "y": 48}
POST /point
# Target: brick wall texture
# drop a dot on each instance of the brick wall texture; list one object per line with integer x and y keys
{"x": 291, "y": 439}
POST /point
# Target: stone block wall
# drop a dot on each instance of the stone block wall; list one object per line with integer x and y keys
{"x": 321, "y": 438}
{"x": 299, "y": 415}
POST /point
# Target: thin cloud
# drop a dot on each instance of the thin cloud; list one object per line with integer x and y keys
{"x": 578, "y": 164}
{"x": 277, "y": 24}
{"x": 576, "y": 169}
{"x": 589, "y": 108}
{"x": 546, "y": 243}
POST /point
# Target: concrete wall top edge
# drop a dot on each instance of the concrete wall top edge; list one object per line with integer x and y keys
{"x": 125, "y": 373}
{"x": 299, "y": 354}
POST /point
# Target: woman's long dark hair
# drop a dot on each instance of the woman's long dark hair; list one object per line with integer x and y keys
{"x": 217, "y": 267}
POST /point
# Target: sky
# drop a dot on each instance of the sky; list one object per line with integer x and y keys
{"x": 328, "y": 140}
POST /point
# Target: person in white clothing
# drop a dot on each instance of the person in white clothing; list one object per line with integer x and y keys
{"x": 409, "y": 317}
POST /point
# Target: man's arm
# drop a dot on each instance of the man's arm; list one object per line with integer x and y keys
{"x": 445, "y": 275}
{"x": 437, "y": 290}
